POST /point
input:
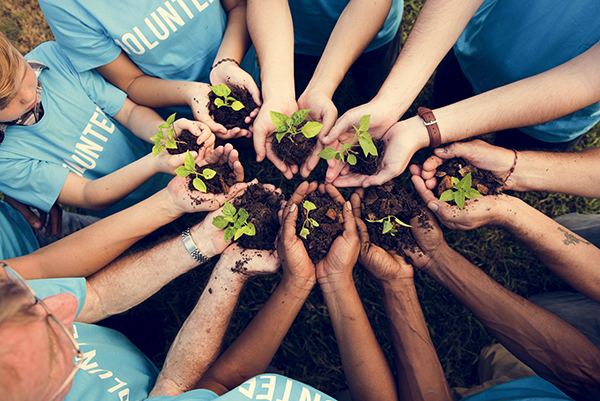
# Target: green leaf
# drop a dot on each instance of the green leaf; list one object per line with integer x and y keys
{"x": 239, "y": 232}
{"x": 164, "y": 126}
{"x": 472, "y": 193}
{"x": 170, "y": 120}
{"x": 365, "y": 121}
{"x": 182, "y": 172}
{"x": 237, "y": 105}
{"x": 237, "y": 224}
{"x": 189, "y": 161}
{"x": 352, "y": 159}
{"x": 219, "y": 102}
{"x": 375, "y": 221}
{"x": 459, "y": 198}
{"x": 158, "y": 137}
{"x": 280, "y": 136}
{"x": 313, "y": 222}
{"x": 170, "y": 143}
{"x": 229, "y": 209}
{"x": 454, "y": 181}
{"x": 308, "y": 205}
{"x": 299, "y": 116}
{"x": 387, "y": 227}
{"x": 208, "y": 173}
{"x": 279, "y": 119}
{"x": 311, "y": 129}
{"x": 465, "y": 183}
{"x": 304, "y": 232}
{"x": 397, "y": 220}
{"x": 156, "y": 149}
{"x": 242, "y": 215}
{"x": 221, "y": 90}
{"x": 220, "y": 222}
{"x": 367, "y": 146}
{"x": 448, "y": 195}
{"x": 229, "y": 233}
{"x": 327, "y": 153}
{"x": 346, "y": 146}
{"x": 199, "y": 184}
{"x": 249, "y": 229}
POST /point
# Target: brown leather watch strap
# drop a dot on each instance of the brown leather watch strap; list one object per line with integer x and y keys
{"x": 435, "y": 139}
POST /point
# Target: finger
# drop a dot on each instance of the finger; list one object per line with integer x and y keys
{"x": 342, "y": 125}
{"x": 277, "y": 162}
{"x": 299, "y": 193}
{"x": 311, "y": 161}
{"x": 334, "y": 170}
{"x": 350, "y": 180}
{"x": 215, "y": 127}
{"x": 428, "y": 197}
{"x": 214, "y": 157}
{"x": 430, "y": 167}
{"x": 289, "y": 222}
{"x": 355, "y": 200}
{"x": 259, "y": 138}
{"x": 349, "y": 220}
{"x": 334, "y": 193}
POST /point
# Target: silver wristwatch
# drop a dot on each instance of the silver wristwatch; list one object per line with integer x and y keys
{"x": 191, "y": 247}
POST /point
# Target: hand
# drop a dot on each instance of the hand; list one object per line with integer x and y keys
{"x": 247, "y": 263}
{"x": 231, "y": 74}
{"x": 225, "y": 154}
{"x": 205, "y": 137}
{"x": 429, "y": 238}
{"x": 476, "y": 212}
{"x": 322, "y": 110}
{"x": 382, "y": 265}
{"x": 198, "y": 101}
{"x": 400, "y": 142}
{"x": 263, "y": 133}
{"x": 189, "y": 202}
{"x": 481, "y": 154}
{"x": 37, "y": 222}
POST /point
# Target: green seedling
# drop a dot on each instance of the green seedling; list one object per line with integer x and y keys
{"x": 308, "y": 206}
{"x": 165, "y": 129}
{"x": 189, "y": 167}
{"x": 460, "y": 191}
{"x": 223, "y": 99}
{"x": 238, "y": 220}
{"x": 388, "y": 226}
{"x": 365, "y": 142}
{"x": 285, "y": 125}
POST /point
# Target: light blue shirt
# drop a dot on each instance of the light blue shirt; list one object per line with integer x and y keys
{"x": 16, "y": 235}
{"x": 527, "y": 389}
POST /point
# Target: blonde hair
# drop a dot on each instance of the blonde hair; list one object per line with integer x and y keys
{"x": 9, "y": 66}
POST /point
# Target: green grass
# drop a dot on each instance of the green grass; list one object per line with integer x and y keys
{"x": 309, "y": 351}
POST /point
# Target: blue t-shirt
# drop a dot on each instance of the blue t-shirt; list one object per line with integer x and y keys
{"x": 507, "y": 41}
{"x": 527, "y": 389}
{"x": 16, "y": 235}
{"x": 75, "y": 135}
{"x": 314, "y": 21}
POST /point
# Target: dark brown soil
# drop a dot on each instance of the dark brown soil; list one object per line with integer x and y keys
{"x": 186, "y": 141}
{"x": 262, "y": 207}
{"x": 370, "y": 164}
{"x": 295, "y": 150}
{"x": 331, "y": 224}
{"x": 482, "y": 180}
{"x": 220, "y": 183}
{"x": 390, "y": 199}
{"x": 228, "y": 117}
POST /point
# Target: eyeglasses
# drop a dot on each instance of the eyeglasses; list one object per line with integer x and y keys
{"x": 65, "y": 334}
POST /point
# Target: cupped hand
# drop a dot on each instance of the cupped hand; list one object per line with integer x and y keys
{"x": 225, "y": 154}
{"x": 198, "y": 101}
{"x": 263, "y": 133}
{"x": 248, "y": 263}
{"x": 430, "y": 240}
{"x": 204, "y": 135}
{"x": 189, "y": 201}
{"x": 383, "y": 266}
{"x": 37, "y": 222}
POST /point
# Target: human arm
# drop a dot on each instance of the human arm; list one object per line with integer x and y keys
{"x": 276, "y": 58}
{"x": 351, "y": 35}
{"x": 554, "y": 349}
{"x": 37, "y": 222}
{"x": 419, "y": 373}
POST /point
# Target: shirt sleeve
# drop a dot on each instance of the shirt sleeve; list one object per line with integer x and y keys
{"x": 106, "y": 96}
{"x": 47, "y": 287}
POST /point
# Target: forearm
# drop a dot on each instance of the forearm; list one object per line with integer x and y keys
{"x": 419, "y": 373}
{"x": 133, "y": 278}
{"x": 254, "y": 349}
{"x": 553, "y": 348}
{"x": 236, "y": 39}
{"x": 366, "y": 369}
{"x": 275, "y": 52}
{"x": 572, "y": 258}
{"x": 437, "y": 28}
{"x": 156, "y": 93}
{"x": 534, "y": 100}
{"x": 104, "y": 192}
{"x": 90, "y": 249}
{"x": 349, "y": 38}
{"x": 199, "y": 340}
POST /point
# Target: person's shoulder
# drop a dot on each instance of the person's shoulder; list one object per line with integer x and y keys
{"x": 52, "y": 55}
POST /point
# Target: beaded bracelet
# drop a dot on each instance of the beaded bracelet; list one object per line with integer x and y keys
{"x": 512, "y": 169}
{"x": 231, "y": 60}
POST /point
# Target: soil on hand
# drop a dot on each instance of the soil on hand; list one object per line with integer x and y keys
{"x": 390, "y": 199}
{"x": 228, "y": 117}
{"x": 482, "y": 180}
{"x": 262, "y": 207}
{"x": 220, "y": 183}
{"x": 331, "y": 224}
{"x": 294, "y": 150}
{"x": 185, "y": 141}
{"x": 370, "y": 164}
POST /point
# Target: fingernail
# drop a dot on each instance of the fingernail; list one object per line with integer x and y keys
{"x": 348, "y": 206}
{"x": 432, "y": 206}
{"x": 293, "y": 207}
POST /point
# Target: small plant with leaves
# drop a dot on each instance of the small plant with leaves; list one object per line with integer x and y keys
{"x": 361, "y": 139}
{"x": 289, "y": 126}
{"x": 238, "y": 218}
{"x": 308, "y": 222}
{"x": 223, "y": 98}
{"x": 388, "y": 226}
{"x": 166, "y": 129}
{"x": 461, "y": 190}
{"x": 189, "y": 168}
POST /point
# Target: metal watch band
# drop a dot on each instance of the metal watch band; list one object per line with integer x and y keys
{"x": 435, "y": 138}
{"x": 191, "y": 247}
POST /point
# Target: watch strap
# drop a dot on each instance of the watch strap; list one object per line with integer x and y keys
{"x": 435, "y": 138}
{"x": 191, "y": 247}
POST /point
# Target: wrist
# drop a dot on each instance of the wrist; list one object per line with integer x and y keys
{"x": 203, "y": 240}
{"x": 397, "y": 284}
{"x": 298, "y": 287}
{"x": 416, "y": 131}
{"x": 336, "y": 283}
